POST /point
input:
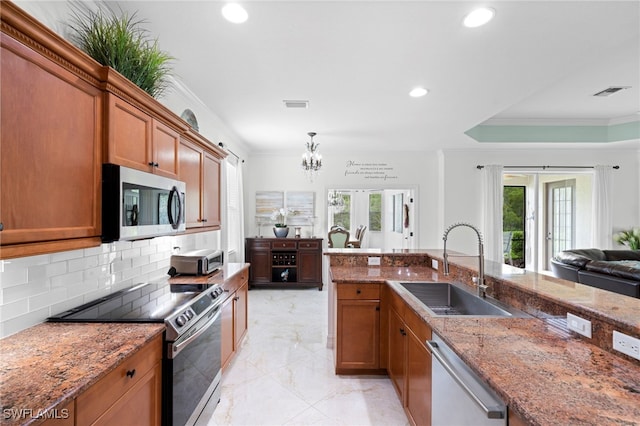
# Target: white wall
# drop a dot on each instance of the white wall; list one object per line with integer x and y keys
{"x": 281, "y": 172}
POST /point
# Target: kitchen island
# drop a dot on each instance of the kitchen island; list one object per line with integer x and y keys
{"x": 545, "y": 373}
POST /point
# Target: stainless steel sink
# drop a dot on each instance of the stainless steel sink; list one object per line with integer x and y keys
{"x": 446, "y": 299}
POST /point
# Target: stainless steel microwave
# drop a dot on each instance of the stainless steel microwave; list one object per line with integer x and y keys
{"x": 138, "y": 205}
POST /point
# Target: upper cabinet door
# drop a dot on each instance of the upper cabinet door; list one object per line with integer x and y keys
{"x": 139, "y": 141}
{"x": 166, "y": 144}
{"x": 129, "y": 135}
{"x": 50, "y": 156}
{"x": 191, "y": 156}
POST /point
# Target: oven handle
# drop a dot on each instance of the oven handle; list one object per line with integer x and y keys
{"x": 177, "y": 348}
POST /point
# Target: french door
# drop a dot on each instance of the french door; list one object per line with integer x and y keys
{"x": 561, "y": 217}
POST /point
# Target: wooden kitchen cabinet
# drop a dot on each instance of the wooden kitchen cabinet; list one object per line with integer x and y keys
{"x": 137, "y": 140}
{"x": 130, "y": 394}
{"x": 200, "y": 169}
{"x": 284, "y": 262}
{"x": 234, "y": 315}
{"x": 50, "y": 156}
{"x": 409, "y": 361}
{"x": 357, "y": 345}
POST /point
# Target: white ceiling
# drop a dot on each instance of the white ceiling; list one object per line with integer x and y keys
{"x": 355, "y": 61}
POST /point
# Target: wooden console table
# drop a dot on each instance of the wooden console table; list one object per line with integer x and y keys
{"x": 284, "y": 262}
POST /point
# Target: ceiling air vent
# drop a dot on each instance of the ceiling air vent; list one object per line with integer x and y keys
{"x": 611, "y": 90}
{"x": 296, "y": 104}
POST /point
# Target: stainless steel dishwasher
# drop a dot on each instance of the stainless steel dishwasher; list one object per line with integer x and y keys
{"x": 458, "y": 395}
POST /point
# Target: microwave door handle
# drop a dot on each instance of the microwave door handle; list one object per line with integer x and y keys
{"x": 175, "y": 223}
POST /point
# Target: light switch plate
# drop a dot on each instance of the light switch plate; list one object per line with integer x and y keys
{"x": 434, "y": 264}
{"x": 626, "y": 344}
{"x": 373, "y": 261}
{"x": 579, "y": 325}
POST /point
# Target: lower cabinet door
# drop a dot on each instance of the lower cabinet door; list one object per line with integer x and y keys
{"x": 240, "y": 314}
{"x": 418, "y": 398}
{"x": 359, "y": 335}
{"x": 397, "y": 342}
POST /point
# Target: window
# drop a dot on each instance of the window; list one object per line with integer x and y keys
{"x": 375, "y": 212}
{"x": 342, "y": 216}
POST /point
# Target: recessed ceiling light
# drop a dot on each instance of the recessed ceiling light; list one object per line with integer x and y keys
{"x": 418, "y": 92}
{"x": 235, "y": 13}
{"x": 479, "y": 17}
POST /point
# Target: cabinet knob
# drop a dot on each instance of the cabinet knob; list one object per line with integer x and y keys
{"x": 404, "y": 333}
{"x": 204, "y": 220}
{"x": 358, "y": 291}
{"x": 151, "y": 163}
{"x": 1, "y": 226}
{"x": 131, "y": 373}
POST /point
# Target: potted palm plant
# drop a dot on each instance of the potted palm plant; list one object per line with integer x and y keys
{"x": 629, "y": 238}
{"x": 119, "y": 41}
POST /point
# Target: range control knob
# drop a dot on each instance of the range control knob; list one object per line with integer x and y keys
{"x": 181, "y": 320}
{"x": 189, "y": 314}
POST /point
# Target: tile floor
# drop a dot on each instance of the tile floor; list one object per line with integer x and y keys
{"x": 284, "y": 373}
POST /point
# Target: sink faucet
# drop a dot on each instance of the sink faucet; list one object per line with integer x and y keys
{"x": 481, "y": 287}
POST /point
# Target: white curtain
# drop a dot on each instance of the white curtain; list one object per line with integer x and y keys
{"x": 235, "y": 210}
{"x": 602, "y": 221}
{"x": 492, "y": 200}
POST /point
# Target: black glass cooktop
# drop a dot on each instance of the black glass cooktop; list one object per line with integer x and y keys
{"x": 148, "y": 302}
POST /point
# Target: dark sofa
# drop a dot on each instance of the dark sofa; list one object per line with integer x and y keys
{"x": 613, "y": 270}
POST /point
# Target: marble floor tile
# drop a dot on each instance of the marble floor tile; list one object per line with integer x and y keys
{"x": 284, "y": 372}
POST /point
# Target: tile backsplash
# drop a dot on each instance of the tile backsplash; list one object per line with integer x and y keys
{"x": 36, "y": 287}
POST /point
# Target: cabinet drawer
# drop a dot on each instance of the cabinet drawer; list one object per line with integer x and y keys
{"x": 260, "y": 245}
{"x": 276, "y": 245}
{"x": 359, "y": 291}
{"x": 235, "y": 282}
{"x": 311, "y": 245}
{"x": 397, "y": 303}
{"x": 417, "y": 325}
{"x": 102, "y": 395}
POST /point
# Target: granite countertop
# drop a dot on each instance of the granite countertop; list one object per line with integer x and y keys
{"x": 547, "y": 374}
{"x": 46, "y": 366}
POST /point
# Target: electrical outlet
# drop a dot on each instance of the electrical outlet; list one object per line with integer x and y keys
{"x": 373, "y": 261}
{"x": 579, "y": 325}
{"x": 434, "y": 264}
{"x": 626, "y": 344}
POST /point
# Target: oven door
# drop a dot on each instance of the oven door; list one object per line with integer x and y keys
{"x": 193, "y": 370}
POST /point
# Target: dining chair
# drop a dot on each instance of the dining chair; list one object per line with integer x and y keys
{"x": 357, "y": 243}
{"x": 338, "y": 238}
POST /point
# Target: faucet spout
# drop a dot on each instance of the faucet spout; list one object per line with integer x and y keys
{"x": 480, "y": 283}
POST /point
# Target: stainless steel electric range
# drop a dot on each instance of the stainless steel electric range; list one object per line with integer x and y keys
{"x": 191, "y": 369}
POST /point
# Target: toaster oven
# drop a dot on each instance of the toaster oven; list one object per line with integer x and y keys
{"x": 196, "y": 262}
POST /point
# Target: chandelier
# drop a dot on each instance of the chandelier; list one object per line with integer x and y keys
{"x": 311, "y": 159}
{"x": 336, "y": 201}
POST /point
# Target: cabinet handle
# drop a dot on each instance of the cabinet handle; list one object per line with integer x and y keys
{"x": 404, "y": 333}
{"x": 377, "y": 308}
{"x": 204, "y": 220}
{"x": 156, "y": 165}
{"x": 151, "y": 163}
{"x": 131, "y": 373}
{"x": 1, "y": 226}
{"x": 236, "y": 298}
{"x": 358, "y": 291}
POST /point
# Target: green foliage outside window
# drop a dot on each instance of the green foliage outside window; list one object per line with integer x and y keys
{"x": 375, "y": 212}
{"x": 343, "y": 217}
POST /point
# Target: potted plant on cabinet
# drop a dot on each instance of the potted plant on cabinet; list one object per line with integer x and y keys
{"x": 119, "y": 41}
{"x": 280, "y": 228}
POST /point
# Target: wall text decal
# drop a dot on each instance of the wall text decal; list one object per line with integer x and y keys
{"x": 370, "y": 170}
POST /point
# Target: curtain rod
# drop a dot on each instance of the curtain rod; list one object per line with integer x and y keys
{"x": 221, "y": 145}
{"x": 479, "y": 167}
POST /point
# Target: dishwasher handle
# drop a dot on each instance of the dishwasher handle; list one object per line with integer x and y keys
{"x": 491, "y": 412}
